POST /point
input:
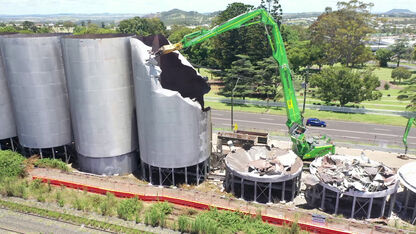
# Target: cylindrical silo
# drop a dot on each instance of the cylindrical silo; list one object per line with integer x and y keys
{"x": 7, "y": 123}
{"x": 36, "y": 80}
{"x": 174, "y": 128}
{"x": 100, "y": 85}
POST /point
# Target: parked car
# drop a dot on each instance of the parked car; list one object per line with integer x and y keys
{"x": 315, "y": 122}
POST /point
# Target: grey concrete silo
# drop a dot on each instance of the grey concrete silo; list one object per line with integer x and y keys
{"x": 7, "y": 123}
{"x": 174, "y": 128}
{"x": 36, "y": 80}
{"x": 100, "y": 85}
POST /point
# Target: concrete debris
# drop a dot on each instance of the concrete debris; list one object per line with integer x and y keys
{"x": 268, "y": 162}
{"x": 351, "y": 173}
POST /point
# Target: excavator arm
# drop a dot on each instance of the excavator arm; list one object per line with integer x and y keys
{"x": 305, "y": 148}
{"x": 412, "y": 121}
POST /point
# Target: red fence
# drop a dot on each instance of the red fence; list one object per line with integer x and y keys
{"x": 183, "y": 202}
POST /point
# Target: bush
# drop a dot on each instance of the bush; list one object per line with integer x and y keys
{"x": 183, "y": 224}
{"x": 164, "y": 207}
{"x": 386, "y": 86}
{"x": 107, "y": 206}
{"x": 129, "y": 208}
{"x": 59, "y": 199}
{"x": 12, "y": 188}
{"x": 156, "y": 214}
{"x": 11, "y": 164}
{"x": 51, "y": 163}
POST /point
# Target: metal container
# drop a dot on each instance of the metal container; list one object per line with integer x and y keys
{"x": 100, "y": 84}
{"x": 7, "y": 123}
{"x": 36, "y": 80}
{"x": 174, "y": 132}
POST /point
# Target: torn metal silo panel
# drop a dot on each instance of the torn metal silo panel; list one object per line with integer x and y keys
{"x": 36, "y": 80}
{"x": 7, "y": 123}
{"x": 407, "y": 201}
{"x": 100, "y": 85}
{"x": 174, "y": 131}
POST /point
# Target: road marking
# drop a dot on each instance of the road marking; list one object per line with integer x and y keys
{"x": 266, "y": 118}
{"x": 380, "y": 129}
{"x": 323, "y": 129}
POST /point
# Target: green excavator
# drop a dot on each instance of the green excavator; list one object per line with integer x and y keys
{"x": 304, "y": 147}
{"x": 410, "y": 122}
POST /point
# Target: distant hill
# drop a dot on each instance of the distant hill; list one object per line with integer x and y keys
{"x": 177, "y": 16}
{"x": 400, "y": 12}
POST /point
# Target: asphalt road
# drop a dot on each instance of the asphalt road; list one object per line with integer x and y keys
{"x": 14, "y": 222}
{"x": 383, "y": 135}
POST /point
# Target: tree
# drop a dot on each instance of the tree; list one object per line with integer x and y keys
{"x": 274, "y": 8}
{"x": 251, "y": 41}
{"x": 142, "y": 26}
{"x": 91, "y": 29}
{"x": 400, "y": 49}
{"x": 345, "y": 85}
{"x": 241, "y": 68}
{"x": 28, "y": 25}
{"x": 384, "y": 56}
{"x": 341, "y": 34}
{"x": 68, "y": 24}
{"x": 409, "y": 94}
{"x": 400, "y": 73}
{"x": 299, "y": 55}
{"x": 267, "y": 79}
{"x": 197, "y": 54}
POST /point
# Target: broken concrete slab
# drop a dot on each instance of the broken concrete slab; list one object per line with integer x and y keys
{"x": 347, "y": 173}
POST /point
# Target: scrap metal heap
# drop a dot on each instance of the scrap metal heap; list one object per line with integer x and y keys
{"x": 353, "y": 173}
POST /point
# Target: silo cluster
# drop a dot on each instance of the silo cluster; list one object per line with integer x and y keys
{"x": 60, "y": 92}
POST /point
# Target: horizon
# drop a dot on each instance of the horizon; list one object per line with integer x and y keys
{"x": 61, "y": 7}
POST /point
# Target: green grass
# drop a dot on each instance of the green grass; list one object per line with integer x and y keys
{"x": 68, "y": 218}
{"x": 365, "y": 118}
{"x": 207, "y": 72}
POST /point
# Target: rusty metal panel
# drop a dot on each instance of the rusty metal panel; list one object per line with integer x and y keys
{"x": 36, "y": 79}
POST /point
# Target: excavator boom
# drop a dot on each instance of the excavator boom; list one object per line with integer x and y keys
{"x": 412, "y": 121}
{"x": 305, "y": 148}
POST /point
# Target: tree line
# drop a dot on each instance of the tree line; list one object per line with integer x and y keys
{"x": 331, "y": 49}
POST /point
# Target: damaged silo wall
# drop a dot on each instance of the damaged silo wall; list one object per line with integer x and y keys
{"x": 173, "y": 128}
{"x": 7, "y": 124}
{"x": 36, "y": 80}
{"x": 100, "y": 84}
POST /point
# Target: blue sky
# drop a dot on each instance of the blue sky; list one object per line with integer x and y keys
{"x": 149, "y": 6}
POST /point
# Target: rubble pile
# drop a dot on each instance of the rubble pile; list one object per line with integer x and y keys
{"x": 353, "y": 173}
{"x": 269, "y": 161}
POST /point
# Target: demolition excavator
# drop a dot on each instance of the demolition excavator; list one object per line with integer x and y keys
{"x": 410, "y": 122}
{"x": 304, "y": 147}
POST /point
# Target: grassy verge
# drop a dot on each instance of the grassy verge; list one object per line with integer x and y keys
{"x": 326, "y": 115}
{"x": 68, "y": 218}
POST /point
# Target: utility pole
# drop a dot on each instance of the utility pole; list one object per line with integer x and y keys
{"x": 232, "y": 103}
{"x": 305, "y": 86}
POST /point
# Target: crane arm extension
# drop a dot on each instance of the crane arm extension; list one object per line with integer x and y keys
{"x": 301, "y": 146}
{"x": 406, "y": 132}
{"x": 276, "y": 43}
